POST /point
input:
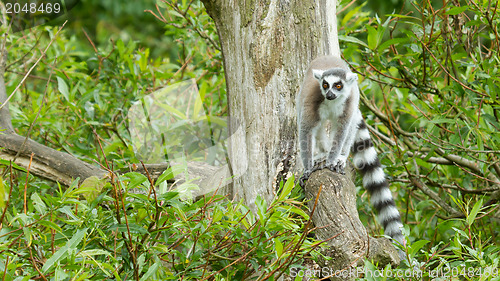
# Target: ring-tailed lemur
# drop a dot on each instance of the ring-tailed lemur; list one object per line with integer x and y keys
{"x": 329, "y": 101}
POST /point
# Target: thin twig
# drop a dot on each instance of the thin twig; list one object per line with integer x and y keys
{"x": 33, "y": 67}
{"x": 33, "y": 262}
{"x": 416, "y": 182}
{"x": 26, "y": 184}
{"x": 446, "y": 71}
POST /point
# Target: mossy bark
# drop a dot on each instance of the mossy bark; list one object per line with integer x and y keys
{"x": 267, "y": 46}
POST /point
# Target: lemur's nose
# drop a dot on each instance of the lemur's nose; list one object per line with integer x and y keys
{"x": 330, "y": 96}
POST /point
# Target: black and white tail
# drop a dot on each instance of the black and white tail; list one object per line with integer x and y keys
{"x": 366, "y": 161}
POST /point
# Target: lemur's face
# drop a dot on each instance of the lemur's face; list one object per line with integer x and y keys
{"x": 334, "y": 82}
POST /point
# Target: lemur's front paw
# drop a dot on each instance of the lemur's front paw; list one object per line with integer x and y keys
{"x": 318, "y": 165}
{"x": 341, "y": 167}
{"x": 304, "y": 178}
{"x": 338, "y": 165}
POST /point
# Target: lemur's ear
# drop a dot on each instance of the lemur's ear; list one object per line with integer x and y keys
{"x": 351, "y": 77}
{"x": 318, "y": 73}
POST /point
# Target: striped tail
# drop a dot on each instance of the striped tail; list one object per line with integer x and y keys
{"x": 366, "y": 161}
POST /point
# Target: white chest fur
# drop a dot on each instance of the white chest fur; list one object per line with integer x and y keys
{"x": 323, "y": 134}
{"x": 331, "y": 109}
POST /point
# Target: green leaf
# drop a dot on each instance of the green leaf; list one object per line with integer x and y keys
{"x": 167, "y": 196}
{"x": 170, "y": 173}
{"x": 352, "y": 14}
{"x": 39, "y": 204}
{"x": 50, "y": 224}
{"x": 393, "y": 41}
{"x": 370, "y": 267}
{"x": 279, "y": 247}
{"x": 443, "y": 121}
{"x": 135, "y": 179}
{"x": 217, "y": 215}
{"x": 261, "y": 208}
{"x": 352, "y": 40}
{"x": 197, "y": 113}
{"x": 2, "y": 193}
{"x": 217, "y": 120}
{"x": 456, "y": 10}
{"x": 134, "y": 228}
{"x": 63, "y": 87}
{"x": 416, "y": 246}
{"x": 472, "y": 23}
{"x": 62, "y": 252}
{"x": 91, "y": 187}
{"x": 171, "y": 109}
{"x": 372, "y": 37}
{"x": 14, "y": 165}
{"x": 475, "y": 210}
{"x": 152, "y": 270}
{"x": 28, "y": 235}
{"x": 287, "y": 189}
{"x": 60, "y": 274}
{"x": 297, "y": 211}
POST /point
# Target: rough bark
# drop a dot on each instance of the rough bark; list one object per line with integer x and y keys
{"x": 336, "y": 215}
{"x": 267, "y": 46}
{"x": 47, "y": 163}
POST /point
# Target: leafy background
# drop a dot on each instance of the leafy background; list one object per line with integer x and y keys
{"x": 429, "y": 80}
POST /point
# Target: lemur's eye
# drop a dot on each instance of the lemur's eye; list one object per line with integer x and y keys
{"x": 338, "y": 86}
{"x": 325, "y": 85}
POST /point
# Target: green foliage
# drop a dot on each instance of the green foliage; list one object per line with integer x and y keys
{"x": 430, "y": 94}
{"x": 123, "y": 229}
{"x": 78, "y": 100}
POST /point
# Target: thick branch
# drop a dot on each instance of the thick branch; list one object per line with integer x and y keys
{"x": 47, "y": 162}
{"x": 62, "y": 167}
{"x": 336, "y": 213}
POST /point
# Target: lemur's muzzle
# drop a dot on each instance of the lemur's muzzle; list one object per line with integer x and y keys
{"x": 330, "y": 95}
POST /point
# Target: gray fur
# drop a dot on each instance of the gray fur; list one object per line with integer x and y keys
{"x": 321, "y": 105}
{"x": 340, "y": 72}
{"x": 312, "y": 103}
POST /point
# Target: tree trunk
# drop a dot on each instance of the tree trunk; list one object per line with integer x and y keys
{"x": 5, "y": 123}
{"x": 267, "y": 46}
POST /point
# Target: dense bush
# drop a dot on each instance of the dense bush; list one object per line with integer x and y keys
{"x": 127, "y": 230}
{"x": 430, "y": 84}
{"x": 430, "y": 93}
